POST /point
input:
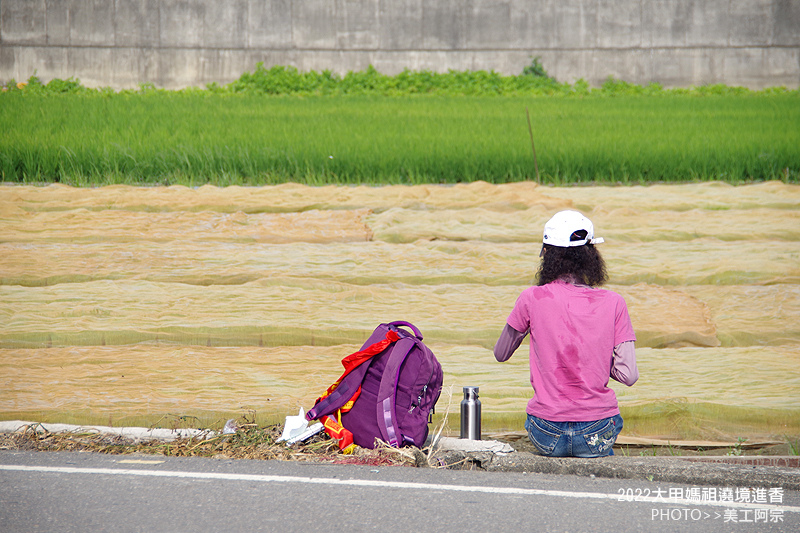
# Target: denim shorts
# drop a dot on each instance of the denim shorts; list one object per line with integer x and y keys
{"x": 574, "y": 439}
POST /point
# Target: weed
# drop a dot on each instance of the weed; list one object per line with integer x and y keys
{"x": 794, "y": 446}
{"x": 653, "y": 452}
{"x": 736, "y": 450}
{"x": 672, "y": 451}
{"x": 536, "y": 70}
{"x": 286, "y": 80}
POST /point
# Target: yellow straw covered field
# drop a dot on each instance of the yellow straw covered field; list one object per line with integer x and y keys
{"x": 140, "y": 305}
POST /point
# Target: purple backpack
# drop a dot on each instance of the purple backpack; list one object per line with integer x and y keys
{"x": 399, "y": 387}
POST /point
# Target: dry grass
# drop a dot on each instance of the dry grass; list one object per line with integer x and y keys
{"x": 248, "y": 442}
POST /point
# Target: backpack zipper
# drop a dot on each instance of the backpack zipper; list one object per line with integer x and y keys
{"x": 422, "y": 392}
{"x": 419, "y": 398}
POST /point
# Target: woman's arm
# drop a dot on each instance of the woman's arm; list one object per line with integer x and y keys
{"x": 508, "y": 343}
{"x": 623, "y": 365}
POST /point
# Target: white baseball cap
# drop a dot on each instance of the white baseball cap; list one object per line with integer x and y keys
{"x": 560, "y": 228}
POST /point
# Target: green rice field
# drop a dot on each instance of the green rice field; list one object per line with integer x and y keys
{"x": 222, "y": 138}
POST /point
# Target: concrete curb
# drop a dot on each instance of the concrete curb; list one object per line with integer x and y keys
{"x": 725, "y": 472}
{"x": 496, "y": 456}
{"x": 133, "y": 433}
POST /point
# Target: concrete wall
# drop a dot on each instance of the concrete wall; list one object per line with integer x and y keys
{"x": 178, "y": 43}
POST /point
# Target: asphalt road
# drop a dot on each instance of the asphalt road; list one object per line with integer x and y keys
{"x": 46, "y": 491}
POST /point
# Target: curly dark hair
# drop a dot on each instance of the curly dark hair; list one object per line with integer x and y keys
{"x": 581, "y": 262}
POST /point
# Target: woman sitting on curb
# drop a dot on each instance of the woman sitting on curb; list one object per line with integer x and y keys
{"x": 580, "y": 337}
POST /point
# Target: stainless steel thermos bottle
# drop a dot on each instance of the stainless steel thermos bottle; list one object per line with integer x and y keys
{"x": 471, "y": 414}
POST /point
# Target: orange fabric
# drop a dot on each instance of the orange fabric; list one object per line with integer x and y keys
{"x": 349, "y": 405}
{"x": 337, "y": 431}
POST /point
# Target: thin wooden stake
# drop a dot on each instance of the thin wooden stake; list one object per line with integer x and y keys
{"x": 530, "y": 131}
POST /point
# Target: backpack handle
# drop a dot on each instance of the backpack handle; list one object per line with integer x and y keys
{"x": 417, "y": 333}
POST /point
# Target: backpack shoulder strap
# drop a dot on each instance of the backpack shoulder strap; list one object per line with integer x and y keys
{"x": 343, "y": 389}
{"x": 386, "y": 408}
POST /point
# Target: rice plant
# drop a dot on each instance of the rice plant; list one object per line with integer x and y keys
{"x": 365, "y": 133}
